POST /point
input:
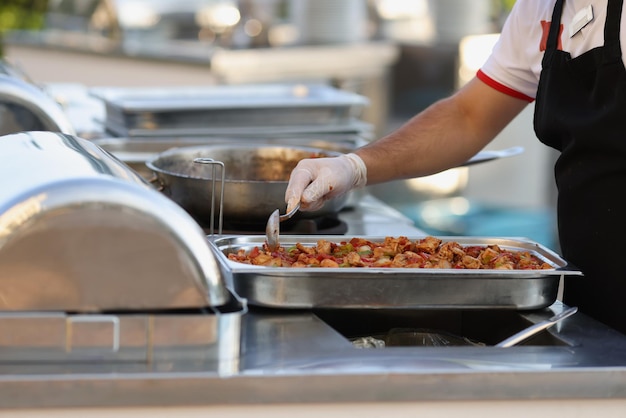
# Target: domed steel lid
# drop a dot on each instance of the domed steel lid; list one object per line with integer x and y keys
{"x": 80, "y": 231}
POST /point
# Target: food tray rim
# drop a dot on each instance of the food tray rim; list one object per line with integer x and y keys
{"x": 160, "y": 99}
{"x": 560, "y": 266}
{"x": 353, "y": 126}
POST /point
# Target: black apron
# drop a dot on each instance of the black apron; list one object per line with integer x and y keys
{"x": 581, "y": 111}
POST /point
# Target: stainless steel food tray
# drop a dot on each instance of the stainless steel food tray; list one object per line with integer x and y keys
{"x": 286, "y": 287}
{"x": 260, "y": 105}
{"x": 353, "y": 126}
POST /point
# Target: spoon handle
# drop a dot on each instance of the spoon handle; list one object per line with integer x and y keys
{"x": 289, "y": 214}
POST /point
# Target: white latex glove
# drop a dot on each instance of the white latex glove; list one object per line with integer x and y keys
{"x": 315, "y": 180}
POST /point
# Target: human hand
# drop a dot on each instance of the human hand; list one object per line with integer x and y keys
{"x": 316, "y": 180}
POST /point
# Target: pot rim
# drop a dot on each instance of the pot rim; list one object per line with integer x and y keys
{"x": 152, "y": 164}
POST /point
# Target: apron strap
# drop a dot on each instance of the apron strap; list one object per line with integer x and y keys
{"x": 612, "y": 47}
{"x": 552, "y": 42}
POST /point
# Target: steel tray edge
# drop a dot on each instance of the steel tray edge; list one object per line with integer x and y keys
{"x": 392, "y": 288}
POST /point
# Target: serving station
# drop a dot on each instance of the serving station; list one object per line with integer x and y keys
{"x": 115, "y": 296}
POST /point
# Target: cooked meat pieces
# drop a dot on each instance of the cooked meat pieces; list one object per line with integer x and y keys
{"x": 392, "y": 252}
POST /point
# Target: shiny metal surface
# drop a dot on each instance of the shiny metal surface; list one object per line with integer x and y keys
{"x": 272, "y": 228}
{"x": 354, "y": 287}
{"x": 25, "y": 107}
{"x": 199, "y": 110}
{"x": 489, "y": 155}
{"x": 300, "y": 358}
{"x": 306, "y": 356}
{"x": 256, "y": 179}
{"x": 272, "y": 231}
{"x": 536, "y": 328}
{"x": 206, "y": 334}
{"x": 289, "y": 215}
{"x": 354, "y": 127}
{"x": 80, "y": 231}
{"x": 136, "y": 152}
{"x": 242, "y": 98}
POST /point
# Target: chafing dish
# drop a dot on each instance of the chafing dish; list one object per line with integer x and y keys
{"x": 206, "y": 110}
{"x": 24, "y": 106}
{"x": 357, "y": 287}
{"x": 80, "y": 231}
{"x": 97, "y": 264}
{"x": 210, "y": 336}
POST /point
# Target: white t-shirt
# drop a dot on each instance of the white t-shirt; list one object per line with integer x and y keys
{"x": 515, "y": 64}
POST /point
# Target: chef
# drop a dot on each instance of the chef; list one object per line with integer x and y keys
{"x": 566, "y": 56}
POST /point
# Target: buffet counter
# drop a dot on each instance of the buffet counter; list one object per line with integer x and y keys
{"x": 304, "y": 361}
{"x": 296, "y": 357}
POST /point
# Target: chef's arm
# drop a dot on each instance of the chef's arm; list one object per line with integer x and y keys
{"x": 444, "y": 135}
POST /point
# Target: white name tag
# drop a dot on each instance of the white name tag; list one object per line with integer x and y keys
{"x": 580, "y": 20}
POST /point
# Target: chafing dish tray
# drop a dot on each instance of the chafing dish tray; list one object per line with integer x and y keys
{"x": 351, "y": 127}
{"x": 227, "y": 106}
{"x": 286, "y": 287}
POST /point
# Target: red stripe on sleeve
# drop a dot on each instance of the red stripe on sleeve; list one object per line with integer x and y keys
{"x": 502, "y": 88}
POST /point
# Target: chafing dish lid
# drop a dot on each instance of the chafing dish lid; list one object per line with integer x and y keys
{"x": 80, "y": 231}
{"x": 27, "y": 107}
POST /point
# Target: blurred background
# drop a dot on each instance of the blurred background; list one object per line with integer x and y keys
{"x": 402, "y": 55}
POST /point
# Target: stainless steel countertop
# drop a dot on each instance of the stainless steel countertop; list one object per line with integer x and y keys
{"x": 295, "y": 356}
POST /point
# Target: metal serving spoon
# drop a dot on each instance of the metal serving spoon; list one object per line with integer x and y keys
{"x": 534, "y": 329}
{"x": 272, "y": 229}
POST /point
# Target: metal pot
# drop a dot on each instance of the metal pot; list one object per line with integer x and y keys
{"x": 256, "y": 178}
